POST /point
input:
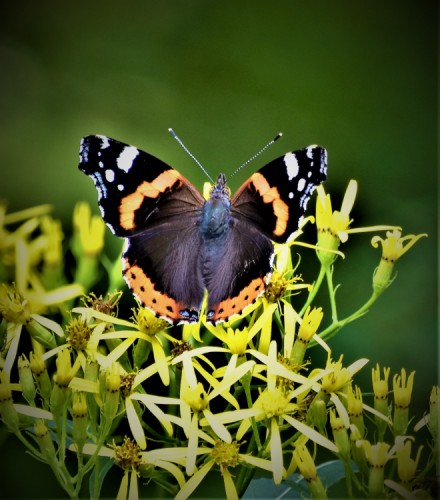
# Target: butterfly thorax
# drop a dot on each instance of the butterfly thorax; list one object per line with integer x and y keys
{"x": 216, "y": 210}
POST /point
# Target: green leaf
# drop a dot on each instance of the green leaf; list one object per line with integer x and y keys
{"x": 295, "y": 486}
{"x": 104, "y": 465}
{"x": 264, "y": 487}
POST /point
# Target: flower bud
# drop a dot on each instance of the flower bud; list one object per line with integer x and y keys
{"x": 434, "y": 412}
{"x": 358, "y": 452}
{"x": 402, "y": 398}
{"x": 44, "y": 440}
{"x": 91, "y": 373}
{"x": 380, "y": 389}
{"x": 26, "y": 379}
{"x": 307, "y": 468}
{"x": 377, "y": 456}
{"x": 141, "y": 351}
{"x": 80, "y": 421}
{"x": 41, "y": 376}
{"x": 340, "y": 435}
{"x": 355, "y": 409}
{"x": 62, "y": 378}
{"x": 8, "y": 412}
{"x": 112, "y": 392}
{"x": 41, "y": 334}
{"x": 309, "y": 326}
{"x": 317, "y": 413}
{"x": 406, "y": 466}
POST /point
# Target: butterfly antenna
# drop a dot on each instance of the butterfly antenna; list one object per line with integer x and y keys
{"x": 252, "y": 158}
{"x": 188, "y": 152}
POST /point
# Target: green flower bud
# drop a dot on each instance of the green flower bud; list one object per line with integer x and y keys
{"x": 380, "y": 389}
{"x": 41, "y": 376}
{"x": 80, "y": 420}
{"x": 317, "y": 413}
{"x": 26, "y": 379}
{"x": 112, "y": 392}
{"x": 91, "y": 373}
{"x": 377, "y": 456}
{"x": 44, "y": 440}
{"x": 63, "y": 376}
{"x": 8, "y": 413}
{"x": 141, "y": 352}
{"x": 355, "y": 410}
{"x": 402, "y": 398}
{"x": 358, "y": 452}
{"x": 434, "y": 412}
{"x": 41, "y": 334}
{"x": 340, "y": 435}
{"x": 307, "y": 468}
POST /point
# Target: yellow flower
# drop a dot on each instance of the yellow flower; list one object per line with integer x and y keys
{"x": 380, "y": 385}
{"x": 194, "y": 407}
{"x": 275, "y": 405}
{"x": 89, "y": 231}
{"x": 224, "y": 456}
{"x": 18, "y": 312}
{"x": 143, "y": 327}
{"x": 52, "y": 234}
{"x": 306, "y": 466}
{"x": 334, "y": 225}
{"x": 31, "y": 218}
{"x": 402, "y": 397}
{"x": 403, "y": 387}
{"x": 337, "y": 378}
{"x": 377, "y": 456}
{"x": 137, "y": 463}
{"x": 406, "y": 466}
{"x": 393, "y": 247}
{"x": 309, "y": 325}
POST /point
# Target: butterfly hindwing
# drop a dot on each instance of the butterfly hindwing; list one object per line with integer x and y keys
{"x": 240, "y": 268}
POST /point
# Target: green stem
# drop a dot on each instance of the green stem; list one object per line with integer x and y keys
{"x": 331, "y": 330}
{"x": 348, "y": 479}
{"x": 331, "y": 292}
{"x": 314, "y": 291}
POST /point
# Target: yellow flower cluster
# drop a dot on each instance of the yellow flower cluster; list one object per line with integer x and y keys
{"x": 169, "y": 406}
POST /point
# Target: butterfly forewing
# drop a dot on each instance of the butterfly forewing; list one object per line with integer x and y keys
{"x": 275, "y": 198}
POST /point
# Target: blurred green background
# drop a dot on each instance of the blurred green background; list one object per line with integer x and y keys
{"x": 356, "y": 77}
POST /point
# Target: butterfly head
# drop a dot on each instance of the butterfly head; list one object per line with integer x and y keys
{"x": 220, "y": 190}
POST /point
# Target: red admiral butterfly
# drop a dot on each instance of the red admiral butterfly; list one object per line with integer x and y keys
{"x": 177, "y": 244}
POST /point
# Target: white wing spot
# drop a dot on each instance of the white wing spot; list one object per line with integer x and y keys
{"x": 291, "y": 163}
{"x": 120, "y": 187}
{"x": 110, "y": 175}
{"x": 309, "y": 174}
{"x": 100, "y": 186}
{"x": 101, "y": 164}
{"x": 291, "y": 195}
{"x": 105, "y": 143}
{"x": 126, "y": 158}
{"x": 83, "y": 152}
{"x": 309, "y": 152}
{"x": 301, "y": 184}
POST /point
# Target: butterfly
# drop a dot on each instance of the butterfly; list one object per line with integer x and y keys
{"x": 178, "y": 246}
